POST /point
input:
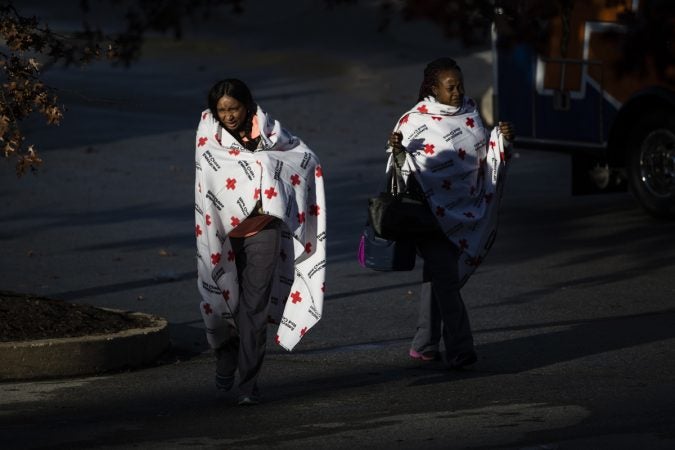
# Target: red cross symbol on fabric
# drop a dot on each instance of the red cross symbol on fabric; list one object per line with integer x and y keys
{"x": 429, "y": 149}
{"x": 301, "y": 217}
{"x": 208, "y": 220}
{"x": 295, "y": 297}
{"x": 308, "y": 247}
{"x": 492, "y": 144}
{"x": 447, "y": 185}
{"x": 319, "y": 172}
{"x": 231, "y": 184}
{"x": 234, "y": 221}
{"x": 226, "y": 296}
{"x": 404, "y": 119}
{"x": 270, "y": 193}
{"x": 215, "y": 258}
{"x": 314, "y": 210}
{"x": 440, "y": 212}
{"x": 198, "y": 230}
{"x": 439, "y": 118}
{"x": 461, "y": 153}
{"x": 256, "y": 194}
{"x": 295, "y": 179}
{"x": 205, "y": 115}
{"x": 234, "y": 152}
{"x": 303, "y": 331}
{"x": 277, "y": 340}
{"x": 423, "y": 109}
{"x": 463, "y": 244}
{"x": 217, "y": 138}
{"x": 202, "y": 141}
{"x": 230, "y": 255}
{"x": 470, "y": 122}
{"x": 207, "y": 308}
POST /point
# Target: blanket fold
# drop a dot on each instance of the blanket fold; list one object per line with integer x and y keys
{"x": 461, "y": 169}
{"x": 286, "y": 176}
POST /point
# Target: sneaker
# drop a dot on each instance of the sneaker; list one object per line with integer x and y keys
{"x": 224, "y": 383}
{"x": 424, "y": 356}
{"x": 463, "y": 360}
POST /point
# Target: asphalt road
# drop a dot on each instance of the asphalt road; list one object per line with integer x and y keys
{"x": 572, "y": 311}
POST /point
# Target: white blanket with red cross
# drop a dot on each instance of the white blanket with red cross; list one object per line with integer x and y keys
{"x": 287, "y": 177}
{"x": 461, "y": 169}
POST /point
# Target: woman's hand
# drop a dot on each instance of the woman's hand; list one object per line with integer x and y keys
{"x": 506, "y": 128}
{"x": 395, "y": 142}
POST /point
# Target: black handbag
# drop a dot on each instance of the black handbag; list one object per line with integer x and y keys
{"x": 398, "y": 214}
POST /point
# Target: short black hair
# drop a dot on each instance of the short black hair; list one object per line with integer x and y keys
{"x": 234, "y": 88}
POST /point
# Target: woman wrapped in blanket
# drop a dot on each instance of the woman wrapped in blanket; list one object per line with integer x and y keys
{"x": 448, "y": 159}
{"x": 260, "y": 227}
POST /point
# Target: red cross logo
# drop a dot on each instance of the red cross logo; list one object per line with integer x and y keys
{"x": 205, "y": 115}
{"x": 303, "y": 331}
{"x": 423, "y": 109}
{"x": 404, "y": 119}
{"x": 440, "y": 212}
{"x": 301, "y": 217}
{"x": 308, "y": 247}
{"x": 437, "y": 118}
{"x": 234, "y": 221}
{"x": 296, "y": 297}
{"x": 230, "y": 255}
{"x": 270, "y": 193}
{"x": 470, "y": 122}
{"x": 429, "y": 149}
{"x": 276, "y": 339}
{"x": 208, "y": 220}
{"x": 256, "y": 194}
{"x": 295, "y": 179}
{"x": 314, "y": 210}
{"x": 492, "y": 144}
{"x": 231, "y": 183}
{"x": 198, "y": 230}
{"x": 202, "y": 141}
{"x": 215, "y": 258}
{"x": 226, "y": 295}
{"x": 461, "y": 153}
{"x": 234, "y": 152}
{"x": 207, "y": 309}
{"x": 217, "y": 138}
{"x": 319, "y": 172}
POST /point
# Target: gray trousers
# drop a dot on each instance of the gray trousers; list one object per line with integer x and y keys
{"x": 256, "y": 258}
{"x": 442, "y": 312}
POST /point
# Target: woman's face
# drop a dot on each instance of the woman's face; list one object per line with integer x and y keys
{"x": 449, "y": 88}
{"x": 231, "y": 112}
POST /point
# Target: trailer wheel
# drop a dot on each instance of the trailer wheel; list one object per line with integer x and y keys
{"x": 651, "y": 163}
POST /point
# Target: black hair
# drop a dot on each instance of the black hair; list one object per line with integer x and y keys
{"x": 431, "y": 72}
{"x": 238, "y": 90}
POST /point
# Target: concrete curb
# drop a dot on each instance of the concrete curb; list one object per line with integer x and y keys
{"x": 86, "y": 355}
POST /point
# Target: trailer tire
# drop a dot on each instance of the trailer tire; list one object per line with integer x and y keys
{"x": 651, "y": 163}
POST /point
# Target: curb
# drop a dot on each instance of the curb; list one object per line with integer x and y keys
{"x": 85, "y": 355}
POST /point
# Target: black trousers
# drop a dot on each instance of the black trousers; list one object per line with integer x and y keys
{"x": 256, "y": 258}
{"x": 442, "y": 312}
